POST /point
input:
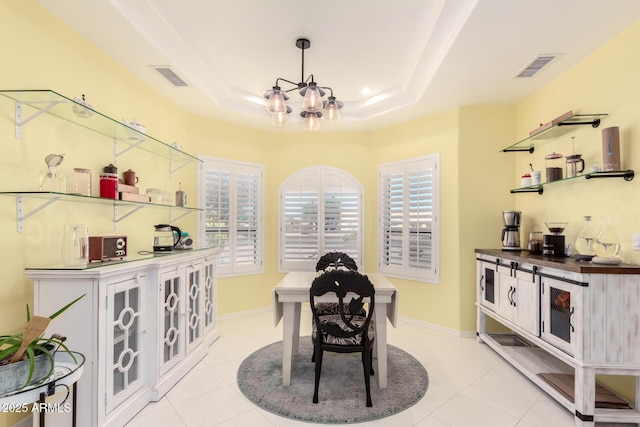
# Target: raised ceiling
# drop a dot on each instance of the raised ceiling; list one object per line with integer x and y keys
{"x": 388, "y": 61}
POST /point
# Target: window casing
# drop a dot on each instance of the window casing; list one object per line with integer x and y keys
{"x": 408, "y": 219}
{"x": 231, "y": 194}
{"x": 320, "y": 211}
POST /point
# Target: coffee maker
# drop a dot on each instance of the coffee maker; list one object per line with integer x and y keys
{"x": 553, "y": 244}
{"x": 511, "y": 230}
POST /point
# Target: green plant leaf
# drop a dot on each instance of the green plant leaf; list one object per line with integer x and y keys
{"x": 57, "y": 313}
{"x": 9, "y": 350}
{"x": 42, "y": 349}
{"x": 31, "y": 356}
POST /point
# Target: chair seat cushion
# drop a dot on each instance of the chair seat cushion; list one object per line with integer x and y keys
{"x": 324, "y": 308}
{"x": 335, "y": 319}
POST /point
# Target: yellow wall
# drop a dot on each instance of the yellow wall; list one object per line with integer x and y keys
{"x": 605, "y": 82}
{"x": 40, "y": 52}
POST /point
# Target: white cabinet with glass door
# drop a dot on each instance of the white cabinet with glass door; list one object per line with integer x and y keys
{"x": 186, "y": 317}
{"x": 125, "y": 343}
{"x": 129, "y": 311}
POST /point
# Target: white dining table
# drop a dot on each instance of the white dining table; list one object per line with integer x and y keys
{"x": 293, "y": 290}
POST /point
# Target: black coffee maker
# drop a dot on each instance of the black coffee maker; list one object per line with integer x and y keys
{"x": 553, "y": 244}
{"x": 511, "y": 230}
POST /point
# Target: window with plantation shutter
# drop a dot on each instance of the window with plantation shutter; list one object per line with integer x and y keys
{"x": 320, "y": 211}
{"x": 408, "y": 225}
{"x": 231, "y": 199}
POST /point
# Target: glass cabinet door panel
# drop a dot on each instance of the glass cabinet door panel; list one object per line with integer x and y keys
{"x": 124, "y": 320}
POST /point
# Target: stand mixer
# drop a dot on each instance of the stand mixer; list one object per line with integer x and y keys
{"x": 553, "y": 244}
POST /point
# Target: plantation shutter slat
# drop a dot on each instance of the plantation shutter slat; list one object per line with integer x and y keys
{"x": 233, "y": 214}
{"x": 321, "y": 211}
{"x": 217, "y": 212}
{"x": 247, "y": 219}
{"x": 407, "y": 231}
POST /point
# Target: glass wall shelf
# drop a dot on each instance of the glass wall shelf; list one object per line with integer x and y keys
{"x": 628, "y": 175}
{"x": 50, "y": 102}
{"x": 132, "y": 257}
{"x": 561, "y": 128}
{"x": 48, "y": 198}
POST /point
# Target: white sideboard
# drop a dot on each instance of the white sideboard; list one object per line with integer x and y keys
{"x": 570, "y": 319}
{"x": 142, "y": 326}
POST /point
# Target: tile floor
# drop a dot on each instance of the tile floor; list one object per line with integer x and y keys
{"x": 469, "y": 384}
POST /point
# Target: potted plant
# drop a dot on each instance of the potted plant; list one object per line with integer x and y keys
{"x": 28, "y": 357}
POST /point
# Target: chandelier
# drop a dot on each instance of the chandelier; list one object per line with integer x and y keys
{"x": 313, "y": 106}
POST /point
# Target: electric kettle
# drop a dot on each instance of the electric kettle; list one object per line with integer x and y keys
{"x": 165, "y": 237}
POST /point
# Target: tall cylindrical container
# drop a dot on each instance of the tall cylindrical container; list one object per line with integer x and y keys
{"x": 611, "y": 149}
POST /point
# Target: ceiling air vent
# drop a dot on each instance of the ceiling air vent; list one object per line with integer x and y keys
{"x": 536, "y": 65}
{"x": 168, "y": 74}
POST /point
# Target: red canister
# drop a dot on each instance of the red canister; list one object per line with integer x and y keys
{"x": 109, "y": 185}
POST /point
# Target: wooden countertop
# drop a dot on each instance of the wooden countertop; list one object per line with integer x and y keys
{"x": 564, "y": 263}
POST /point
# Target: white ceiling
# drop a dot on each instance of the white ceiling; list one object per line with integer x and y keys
{"x": 415, "y": 57}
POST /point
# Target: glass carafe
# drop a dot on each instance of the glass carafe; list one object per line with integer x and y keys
{"x": 606, "y": 244}
{"x": 75, "y": 244}
{"x": 584, "y": 242}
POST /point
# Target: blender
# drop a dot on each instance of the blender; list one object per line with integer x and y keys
{"x": 553, "y": 244}
{"x": 511, "y": 230}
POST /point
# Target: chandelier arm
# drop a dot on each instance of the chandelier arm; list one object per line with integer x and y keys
{"x": 285, "y": 80}
{"x": 328, "y": 88}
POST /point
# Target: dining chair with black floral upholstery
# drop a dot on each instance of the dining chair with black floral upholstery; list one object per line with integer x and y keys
{"x": 334, "y": 261}
{"x": 343, "y": 332}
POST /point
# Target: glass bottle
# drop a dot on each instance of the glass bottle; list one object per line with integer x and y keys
{"x": 584, "y": 241}
{"x": 606, "y": 244}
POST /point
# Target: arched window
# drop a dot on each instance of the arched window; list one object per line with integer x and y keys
{"x": 320, "y": 211}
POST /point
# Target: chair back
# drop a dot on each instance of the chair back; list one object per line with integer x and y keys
{"x": 344, "y": 284}
{"x": 336, "y": 260}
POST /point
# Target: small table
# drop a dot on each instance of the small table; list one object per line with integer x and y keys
{"x": 66, "y": 372}
{"x": 293, "y": 290}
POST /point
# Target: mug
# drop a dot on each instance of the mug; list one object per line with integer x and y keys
{"x": 536, "y": 177}
{"x": 130, "y": 178}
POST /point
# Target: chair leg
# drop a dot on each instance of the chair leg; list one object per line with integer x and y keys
{"x": 370, "y": 359}
{"x": 367, "y": 378}
{"x": 317, "y": 351}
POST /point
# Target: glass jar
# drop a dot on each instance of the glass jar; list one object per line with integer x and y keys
{"x": 606, "y": 244}
{"x": 584, "y": 241}
{"x": 155, "y": 195}
{"x": 534, "y": 245}
{"x": 82, "y": 181}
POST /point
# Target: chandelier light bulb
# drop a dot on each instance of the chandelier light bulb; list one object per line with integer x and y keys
{"x": 331, "y": 113}
{"x": 276, "y": 101}
{"x": 281, "y": 119}
{"x": 311, "y": 121}
{"x": 312, "y": 98}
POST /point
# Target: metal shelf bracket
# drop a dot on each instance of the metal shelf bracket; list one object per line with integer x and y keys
{"x": 20, "y": 122}
{"x": 533, "y": 189}
{"x": 117, "y": 219}
{"x": 22, "y": 216}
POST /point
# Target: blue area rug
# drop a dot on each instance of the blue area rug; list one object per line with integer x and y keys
{"x": 342, "y": 391}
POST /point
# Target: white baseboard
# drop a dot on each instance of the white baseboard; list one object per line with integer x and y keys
{"x": 237, "y": 314}
{"x": 439, "y": 328}
{"x": 305, "y": 308}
